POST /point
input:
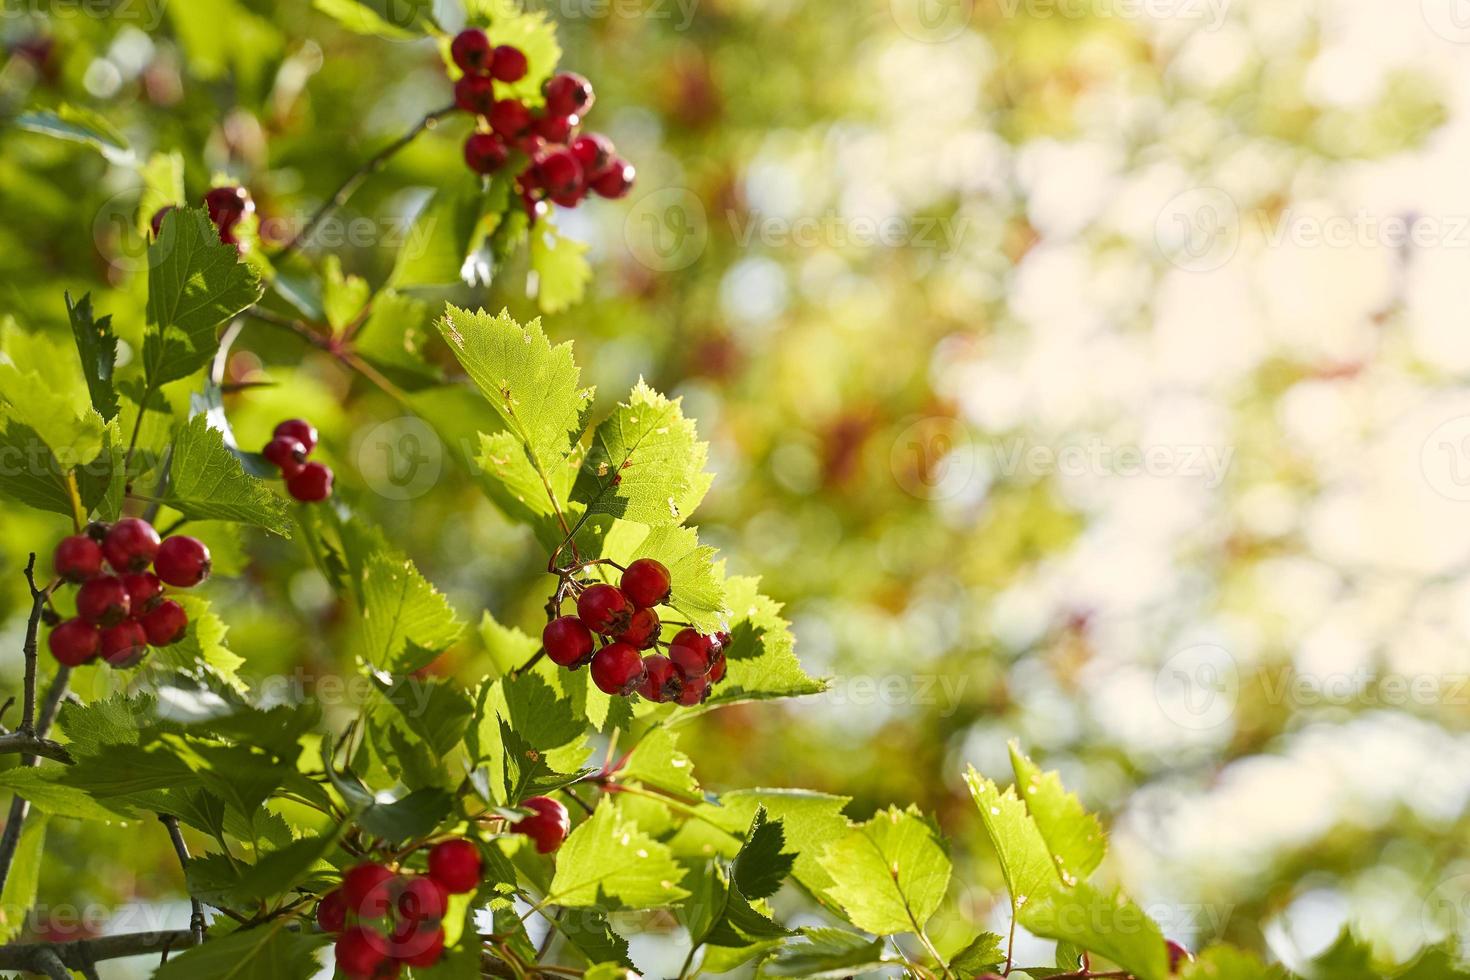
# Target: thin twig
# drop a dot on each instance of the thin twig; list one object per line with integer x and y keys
{"x": 82, "y": 953}
{"x": 31, "y": 745}
{"x": 196, "y": 914}
{"x": 352, "y": 183}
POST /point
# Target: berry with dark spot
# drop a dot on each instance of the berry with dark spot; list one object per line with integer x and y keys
{"x": 642, "y": 631}
{"x": 74, "y": 642}
{"x": 693, "y": 653}
{"x": 165, "y": 624}
{"x": 617, "y": 669}
{"x": 568, "y": 94}
{"x": 568, "y": 642}
{"x": 604, "y": 609}
{"x": 131, "y": 545}
{"x": 485, "y": 153}
{"x": 475, "y": 94}
{"x": 125, "y": 644}
{"x": 547, "y": 825}
{"x": 616, "y": 180}
{"x": 661, "y": 680}
{"x": 471, "y": 51}
{"x": 647, "y": 583}
{"x": 287, "y": 454}
{"x": 144, "y": 591}
{"x": 300, "y": 430}
{"x": 77, "y": 558}
{"x": 103, "y": 601}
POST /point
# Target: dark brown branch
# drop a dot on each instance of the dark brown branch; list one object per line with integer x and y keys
{"x": 83, "y": 953}
{"x": 31, "y": 745}
{"x": 196, "y": 915}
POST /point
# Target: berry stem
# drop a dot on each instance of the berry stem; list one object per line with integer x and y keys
{"x": 74, "y": 494}
{"x": 352, "y": 183}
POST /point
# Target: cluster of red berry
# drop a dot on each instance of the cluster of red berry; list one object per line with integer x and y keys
{"x": 228, "y": 206}
{"x": 623, "y": 616}
{"x": 563, "y": 165}
{"x": 121, "y": 606}
{"x": 291, "y": 443}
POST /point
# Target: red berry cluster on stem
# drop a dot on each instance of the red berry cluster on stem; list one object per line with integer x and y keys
{"x": 385, "y": 920}
{"x": 228, "y": 206}
{"x": 615, "y": 627}
{"x": 562, "y": 164}
{"x": 291, "y": 443}
{"x": 122, "y": 609}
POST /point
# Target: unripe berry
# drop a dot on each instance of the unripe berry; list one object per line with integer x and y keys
{"x": 475, "y": 94}
{"x": 604, "y": 609}
{"x": 593, "y": 151}
{"x": 182, "y": 561}
{"x": 417, "y": 943}
{"x": 617, "y": 669}
{"x": 484, "y": 153}
{"x": 103, "y": 601}
{"x": 509, "y": 118}
{"x": 77, "y": 558}
{"x": 508, "y": 64}
{"x": 125, "y": 644}
{"x": 74, "y": 642}
{"x": 360, "y": 952}
{"x": 616, "y": 180}
{"x": 555, "y": 129}
{"x": 694, "y": 692}
{"x": 144, "y": 591}
{"x": 647, "y": 583}
{"x": 422, "y": 898}
{"x": 547, "y": 825}
{"x": 471, "y": 51}
{"x": 642, "y": 631}
{"x": 300, "y": 430}
{"x": 661, "y": 680}
{"x": 455, "y": 865}
{"x": 331, "y": 911}
{"x": 165, "y": 624}
{"x": 130, "y": 545}
{"x": 568, "y": 94}
{"x": 559, "y": 172}
{"x": 312, "y": 484}
{"x": 692, "y": 653}
{"x": 287, "y": 454}
{"x": 568, "y": 641}
{"x": 368, "y": 890}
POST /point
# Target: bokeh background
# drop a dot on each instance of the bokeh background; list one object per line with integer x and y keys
{"x": 1090, "y": 373}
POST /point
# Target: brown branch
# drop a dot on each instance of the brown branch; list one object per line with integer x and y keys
{"x": 31, "y": 745}
{"x": 196, "y": 914}
{"x": 83, "y": 953}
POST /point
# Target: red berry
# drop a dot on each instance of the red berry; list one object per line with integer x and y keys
{"x": 547, "y": 825}
{"x": 227, "y": 205}
{"x": 165, "y": 623}
{"x": 484, "y": 153}
{"x": 417, "y": 943}
{"x": 300, "y": 430}
{"x": 534, "y": 147}
{"x": 312, "y": 484}
{"x": 717, "y": 667}
{"x": 331, "y": 911}
{"x": 593, "y": 151}
{"x": 368, "y": 890}
{"x": 559, "y": 172}
{"x": 647, "y": 583}
{"x": 568, "y": 94}
{"x": 422, "y": 898}
{"x": 130, "y": 545}
{"x": 144, "y": 590}
{"x": 77, "y": 558}
{"x": 616, "y": 181}
{"x": 455, "y": 864}
{"x": 661, "y": 680}
{"x": 124, "y": 644}
{"x": 1178, "y": 955}
{"x": 182, "y": 561}
{"x": 534, "y": 208}
{"x": 617, "y": 669}
{"x": 157, "y": 220}
{"x": 555, "y": 129}
{"x": 475, "y": 94}
{"x": 471, "y": 51}
{"x": 568, "y": 641}
{"x": 692, "y": 653}
{"x": 508, "y": 64}
{"x": 74, "y": 642}
{"x": 694, "y": 692}
{"x": 287, "y": 454}
{"x": 360, "y": 952}
{"x": 103, "y": 601}
{"x": 642, "y": 631}
{"x": 604, "y": 609}
{"x": 509, "y": 118}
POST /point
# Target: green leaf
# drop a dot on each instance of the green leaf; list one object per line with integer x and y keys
{"x": 116, "y": 720}
{"x": 1073, "y": 836}
{"x": 1231, "y": 964}
{"x": 657, "y": 762}
{"x": 447, "y": 233}
{"x": 645, "y": 464}
{"x": 195, "y": 283}
{"x": 31, "y": 474}
{"x": 561, "y": 268}
{"x": 43, "y": 391}
{"x": 608, "y": 863}
{"x": 405, "y": 621}
{"x": 889, "y": 874}
{"x": 437, "y": 711}
{"x": 1107, "y": 926}
{"x": 271, "y": 951}
{"x": 590, "y": 932}
{"x": 208, "y": 482}
{"x": 761, "y": 662}
{"x": 394, "y": 337}
{"x": 1025, "y": 862}
{"x": 982, "y": 954}
{"x": 45, "y": 793}
{"x": 762, "y": 863}
{"x": 1228, "y": 963}
{"x": 78, "y": 125}
{"x": 122, "y": 769}
{"x": 163, "y": 186}
{"x": 826, "y": 953}
{"x": 507, "y": 646}
{"x": 97, "y": 346}
{"x": 699, "y": 592}
{"x": 363, "y": 17}
{"x": 810, "y": 821}
{"x": 248, "y": 48}
{"x": 343, "y": 296}
{"x": 24, "y": 878}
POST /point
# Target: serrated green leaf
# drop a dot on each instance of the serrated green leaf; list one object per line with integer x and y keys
{"x": 79, "y": 125}
{"x": 394, "y": 337}
{"x": 656, "y": 761}
{"x": 24, "y": 878}
{"x": 1228, "y": 963}
{"x": 1024, "y": 860}
{"x": 1107, "y": 926}
{"x": 97, "y": 347}
{"x": 208, "y": 482}
{"x": 983, "y": 954}
{"x": 437, "y": 711}
{"x": 1073, "y": 836}
{"x": 271, "y": 951}
{"x": 699, "y": 593}
{"x": 42, "y": 390}
{"x": 163, "y": 186}
{"x": 45, "y": 793}
{"x": 889, "y": 874}
{"x": 608, "y": 863}
{"x": 810, "y": 821}
{"x": 343, "y": 296}
{"x": 826, "y": 953}
{"x": 761, "y": 661}
{"x": 561, "y": 268}
{"x": 762, "y": 863}
{"x": 446, "y": 234}
{"x": 406, "y": 622}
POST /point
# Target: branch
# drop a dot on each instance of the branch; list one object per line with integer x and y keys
{"x": 83, "y": 953}
{"x": 352, "y": 183}
{"x": 31, "y": 745}
{"x": 196, "y": 914}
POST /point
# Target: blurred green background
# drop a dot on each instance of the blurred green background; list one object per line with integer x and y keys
{"x": 1083, "y": 372}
